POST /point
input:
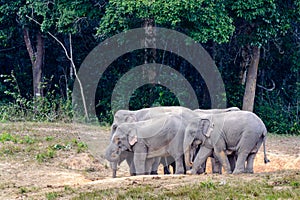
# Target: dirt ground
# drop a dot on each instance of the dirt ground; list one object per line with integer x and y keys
{"x": 22, "y": 177}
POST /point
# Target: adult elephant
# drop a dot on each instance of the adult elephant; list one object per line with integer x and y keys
{"x": 127, "y": 116}
{"x": 157, "y": 137}
{"x": 216, "y": 165}
{"x": 239, "y": 132}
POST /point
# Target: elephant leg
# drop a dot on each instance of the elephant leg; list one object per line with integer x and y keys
{"x": 165, "y": 163}
{"x": 232, "y": 161}
{"x": 250, "y": 163}
{"x": 200, "y": 159}
{"x": 129, "y": 160}
{"x": 223, "y": 159}
{"x": 248, "y": 144}
{"x": 240, "y": 163}
{"x": 216, "y": 166}
{"x": 173, "y": 164}
{"x": 132, "y": 169}
{"x": 148, "y": 165}
{"x": 139, "y": 158}
{"x": 166, "y": 169}
{"x": 155, "y": 166}
{"x": 202, "y": 169}
{"x": 179, "y": 165}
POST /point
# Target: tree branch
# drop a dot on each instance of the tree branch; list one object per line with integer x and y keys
{"x": 267, "y": 89}
{"x": 70, "y": 58}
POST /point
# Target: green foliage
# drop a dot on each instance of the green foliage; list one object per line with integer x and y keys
{"x": 81, "y": 146}
{"x": 50, "y": 152}
{"x": 223, "y": 28}
{"x": 4, "y": 137}
{"x": 45, "y": 155}
{"x": 52, "y": 195}
{"x": 203, "y": 20}
{"x": 11, "y": 143}
{"x": 259, "y": 22}
{"x": 7, "y": 137}
{"x": 51, "y": 107}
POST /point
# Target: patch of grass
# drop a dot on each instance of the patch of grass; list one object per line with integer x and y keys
{"x": 81, "y": 147}
{"x": 23, "y": 190}
{"x": 46, "y": 155}
{"x": 235, "y": 189}
{"x": 69, "y": 189}
{"x": 49, "y": 138}
{"x": 6, "y": 137}
{"x": 26, "y": 140}
{"x": 10, "y": 149}
{"x": 52, "y": 195}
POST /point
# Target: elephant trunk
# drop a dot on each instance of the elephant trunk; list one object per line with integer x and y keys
{"x": 187, "y": 157}
{"x": 112, "y": 153}
{"x": 114, "y": 166}
{"x": 187, "y": 151}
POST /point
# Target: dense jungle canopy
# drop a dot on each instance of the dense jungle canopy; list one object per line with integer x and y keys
{"x": 255, "y": 45}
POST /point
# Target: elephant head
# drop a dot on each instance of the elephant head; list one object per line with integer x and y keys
{"x": 197, "y": 131}
{"x": 123, "y": 139}
{"x": 122, "y": 116}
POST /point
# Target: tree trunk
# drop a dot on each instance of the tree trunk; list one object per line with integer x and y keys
{"x": 249, "y": 95}
{"x": 36, "y": 58}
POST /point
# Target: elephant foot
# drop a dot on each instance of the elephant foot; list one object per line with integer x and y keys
{"x": 192, "y": 172}
{"x": 237, "y": 171}
{"x": 154, "y": 173}
{"x": 166, "y": 170}
{"x": 201, "y": 171}
{"x": 180, "y": 172}
{"x": 249, "y": 171}
{"x": 228, "y": 172}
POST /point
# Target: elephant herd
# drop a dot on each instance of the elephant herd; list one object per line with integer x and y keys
{"x": 148, "y": 137}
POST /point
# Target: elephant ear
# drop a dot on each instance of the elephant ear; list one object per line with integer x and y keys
{"x": 132, "y": 136}
{"x": 130, "y": 118}
{"x": 207, "y": 127}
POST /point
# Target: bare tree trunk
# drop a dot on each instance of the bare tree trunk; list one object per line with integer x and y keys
{"x": 150, "y": 53}
{"x": 249, "y": 95}
{"x": 70, "y": 58}
{"x": 36, "y": 58}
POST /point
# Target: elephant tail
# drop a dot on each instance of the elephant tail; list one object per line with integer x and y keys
{"x": 266, "y": 160}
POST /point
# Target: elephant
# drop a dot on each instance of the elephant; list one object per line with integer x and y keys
{"x": 152, "y": 138}
{"x": 123, "y": 116}
{"x": 240, "y": 133}
{"x": 216, "y": 165}
{"x": 128, "y": 156}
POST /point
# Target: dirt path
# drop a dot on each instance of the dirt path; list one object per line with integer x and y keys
{"x": 21, "y": 176}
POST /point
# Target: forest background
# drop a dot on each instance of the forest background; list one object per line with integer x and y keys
{"x": 254, "y": 43}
